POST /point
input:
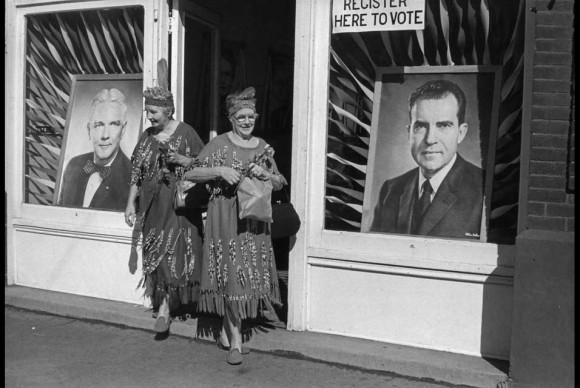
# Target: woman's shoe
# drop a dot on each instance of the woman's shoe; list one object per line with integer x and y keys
{"x": 234, "y": 358}
{"x": 224, "y": 347}
{"x": 162, "y": 324}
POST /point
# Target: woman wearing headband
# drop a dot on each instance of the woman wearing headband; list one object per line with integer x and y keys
{"x": 171, "y": 241}
{"x": 238, "y": 271}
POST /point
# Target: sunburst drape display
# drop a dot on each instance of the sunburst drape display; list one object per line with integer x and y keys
{"x": 457, "y": 32}
{"x": 59, "y": 45}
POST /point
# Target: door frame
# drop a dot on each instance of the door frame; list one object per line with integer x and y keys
{"x": 180, "y": 10}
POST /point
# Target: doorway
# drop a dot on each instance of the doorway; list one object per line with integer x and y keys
{"x": 229, "y": 45}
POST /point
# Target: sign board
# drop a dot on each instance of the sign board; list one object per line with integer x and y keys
{"x": 377, "y": 15}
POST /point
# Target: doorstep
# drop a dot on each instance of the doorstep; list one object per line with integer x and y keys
{"x": 271, "y": 336}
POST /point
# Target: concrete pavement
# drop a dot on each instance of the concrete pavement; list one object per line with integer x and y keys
{"x": 270, "y": 336}
{"x": 52, "y": 351}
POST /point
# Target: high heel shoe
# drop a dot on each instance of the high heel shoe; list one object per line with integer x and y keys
{"x": 162, "y": 324}
{"x": 234, "y": 358}
{"x": 224, "y": 347}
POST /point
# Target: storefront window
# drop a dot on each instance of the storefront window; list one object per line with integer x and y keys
{"x": 75, "y": 61}
{"x": 375, "y": 134}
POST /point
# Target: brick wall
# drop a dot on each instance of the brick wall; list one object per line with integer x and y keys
{"x": 550, "y": 191}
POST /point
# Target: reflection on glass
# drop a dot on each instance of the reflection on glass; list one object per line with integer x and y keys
{"x": 57, "y": 47}
{"x": 354, "y": 58}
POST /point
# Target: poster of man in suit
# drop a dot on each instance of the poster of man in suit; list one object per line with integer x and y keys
{"x": 104, "y": 121}
{"x": 430, "y": 154}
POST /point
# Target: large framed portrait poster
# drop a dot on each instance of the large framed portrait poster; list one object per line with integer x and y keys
{"x": 400, "y": 149}
{"x": 103, "y": 123}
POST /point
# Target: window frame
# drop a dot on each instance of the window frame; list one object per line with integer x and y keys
{"x": 453, "y": 255}
{"x": 31, "y": 216}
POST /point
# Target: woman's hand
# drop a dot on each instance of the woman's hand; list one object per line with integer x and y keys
{"x": 259, "y": 172}
{"x": 229, "y": 175}
{"x": 175, "y": 158}
{"x": 130, "y": 214}
{"x": 278, "y": 181}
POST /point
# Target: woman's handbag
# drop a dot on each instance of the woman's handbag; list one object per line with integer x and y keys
{"x": 286, "y": 221}
{"x": 189, "y": 195}
{"x": 254, "y": 199}
{"x": 182, "y": 188}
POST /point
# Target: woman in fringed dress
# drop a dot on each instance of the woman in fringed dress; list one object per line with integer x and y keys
{"x": 239, "y": 270}
{"x": 171, "y": 240}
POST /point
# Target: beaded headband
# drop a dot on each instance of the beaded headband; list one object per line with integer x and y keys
{"x": 241, "y": 100}
{"x": 168, "y": 103}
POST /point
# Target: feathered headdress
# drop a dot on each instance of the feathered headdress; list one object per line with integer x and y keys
{"x": 240, "y": 100}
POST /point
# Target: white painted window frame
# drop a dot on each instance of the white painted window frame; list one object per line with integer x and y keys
{"x": 33, "y": 218}
{"x": 182, "y": 9}
{"x": 454, "y": 259}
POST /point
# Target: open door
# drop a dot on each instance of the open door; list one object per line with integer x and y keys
{"x": 195, "y": 48}
{"x": 217, "y": 49}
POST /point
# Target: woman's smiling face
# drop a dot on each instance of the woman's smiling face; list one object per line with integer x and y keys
{"x": 243, "y": 122}
{"x": 157, "y": 116}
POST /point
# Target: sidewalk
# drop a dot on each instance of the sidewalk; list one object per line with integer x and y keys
{"x": 45, "y": 351}
{"x": 273, "y": 337}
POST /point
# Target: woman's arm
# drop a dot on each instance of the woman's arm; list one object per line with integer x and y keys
{"x": 204, "y": 174}
{"x": 181, "y": 160}
{"x": 278, "y": 180}
{"x": 130, "y": 209}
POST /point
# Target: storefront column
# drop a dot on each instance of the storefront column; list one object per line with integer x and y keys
{"x": 542, "y": 344}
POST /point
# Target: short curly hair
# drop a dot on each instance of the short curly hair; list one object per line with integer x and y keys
{"x": 241, "y": 99}
{"x": 160, "y": 93}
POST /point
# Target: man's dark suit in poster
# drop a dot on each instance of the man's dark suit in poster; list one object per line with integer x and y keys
{"x": 113, "y": 191}
{"x": 454, "y": 212}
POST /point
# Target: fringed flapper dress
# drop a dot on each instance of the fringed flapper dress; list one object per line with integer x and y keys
{"x": 171, "y": 241}
{"x": 238, "y": 260}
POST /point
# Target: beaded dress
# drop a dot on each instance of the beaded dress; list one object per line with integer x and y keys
{"x": 171, "y": 241}
{"x": 238, "y": 260}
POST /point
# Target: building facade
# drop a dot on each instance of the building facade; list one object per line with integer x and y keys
{"x": 335, "y": 106}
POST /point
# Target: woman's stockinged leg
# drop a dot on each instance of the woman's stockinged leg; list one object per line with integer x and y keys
{"x": 224, "y": 337}
{"x": 164, "y": 308}
{"x": 233, "y": 328}
{"x": 163, "y": 316}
